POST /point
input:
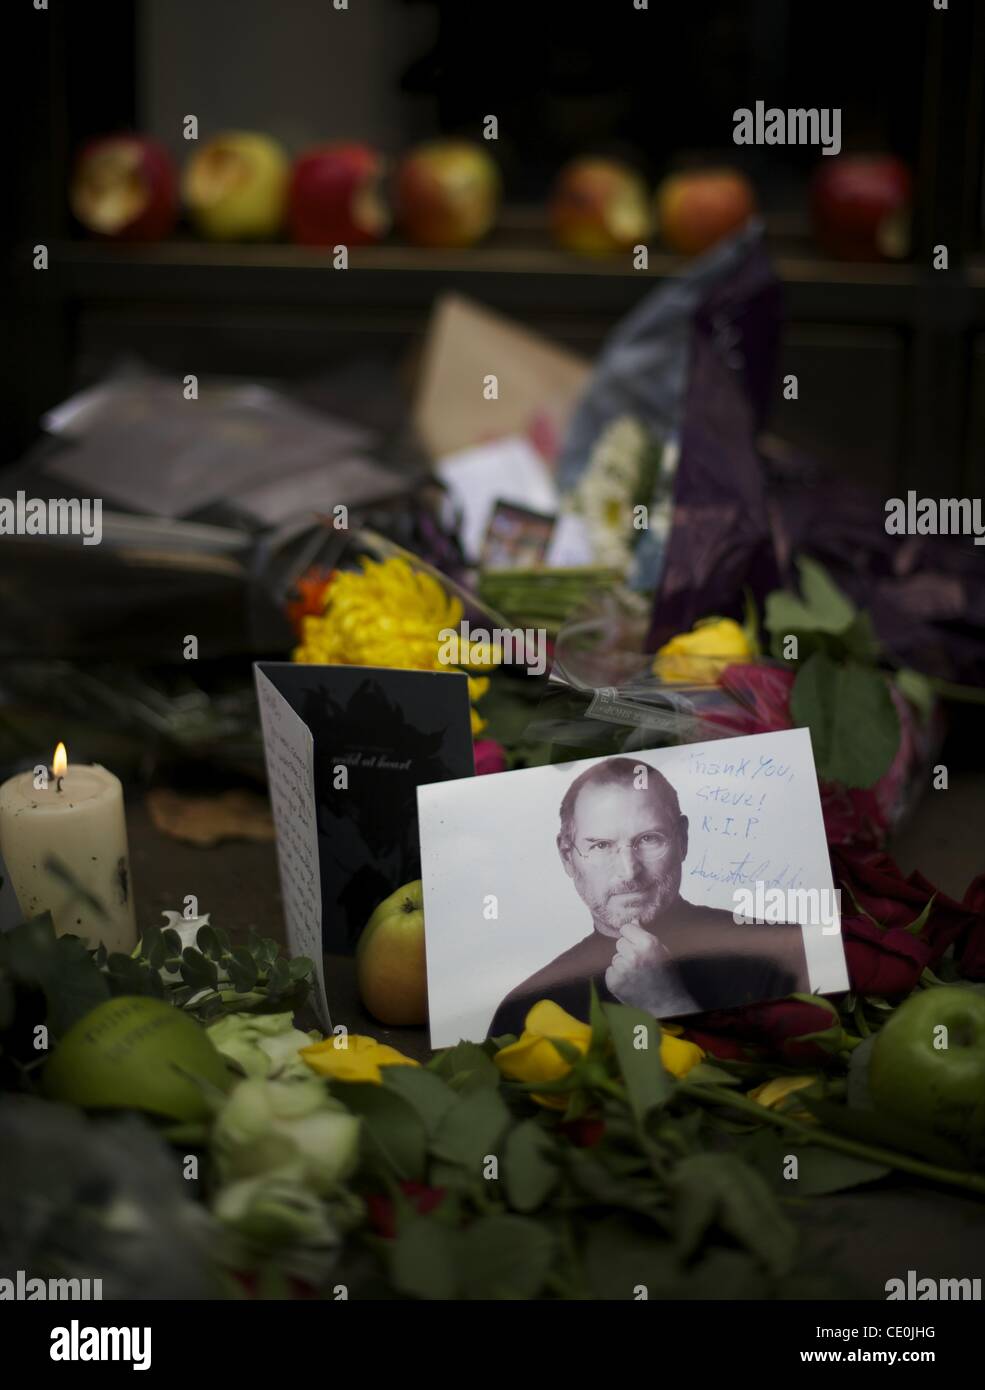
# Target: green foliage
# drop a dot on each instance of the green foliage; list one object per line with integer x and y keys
{"x": 54, "y": 981}
{"x": 840, "y": 693}
{"x": 854, "y": 726}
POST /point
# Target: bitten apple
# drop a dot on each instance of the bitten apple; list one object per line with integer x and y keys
{"x": 335, "y": 196}
{"x": 695, "y": 210}
{"x": 390, "y": 960}
{"x": 599, "y": 206}
{"x": 125, "y": 188}
{"x": 235, "y": 187}
{"x": 447, "y": 193}
{"x": 860, "y": 206}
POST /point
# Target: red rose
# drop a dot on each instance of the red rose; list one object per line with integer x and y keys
{"x": 380, "y": 1208}
{"x": 585, "y": 1132}
{"x": 879, "y": 903}
{"x": 774, "y": 1026}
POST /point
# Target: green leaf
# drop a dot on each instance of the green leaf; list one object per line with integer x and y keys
{"x": 207, "y": 941}
{"x": 466, "y": 1067}
{"x": 196, "y": 970}
{"x": 505, "y": 1257}
{"x": 471, "y": 1129}
{"x": 833, "y": 610}
{"x": 819, "y": 1170}
{"x": 152, "y": 937}
{"x": 622, "y": 1262}
{"x": 242, "y": 970}
{"x": 529, "y": 1174}
{"x": 279, "y": 979}
{"x": 710, "y": 1075}
{"x": 423, "y": 1259}
{"x": 853, "y": 722}
{"x": 917, "y": 925}
{"x": 430, "y": 1097}
{"x": 598, "y": 1021}
{"x": 874, "y": 1127}
{"x": 647, "y": 1084}
{"x": 717, "y": 1189}
{"x": 823, "y": 608}
{"x": 301, "y": 968}
{"x": 172, "y": 940}
{"x": 60, "y": 966}
{"x": 394, "y": 1140}
{"x": 918, "y": 689}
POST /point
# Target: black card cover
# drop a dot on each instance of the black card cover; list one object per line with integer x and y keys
{"x": 391, "y": 731}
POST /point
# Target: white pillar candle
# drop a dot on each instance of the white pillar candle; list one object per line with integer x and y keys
{"x": 78, "y": 820}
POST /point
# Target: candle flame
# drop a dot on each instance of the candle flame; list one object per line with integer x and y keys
{"x": 59, "y": 763}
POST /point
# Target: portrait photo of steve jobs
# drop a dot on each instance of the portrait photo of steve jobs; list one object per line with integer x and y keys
{"x": 623, "y": 843}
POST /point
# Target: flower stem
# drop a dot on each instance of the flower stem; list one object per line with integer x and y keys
{"x": 973, "y": 1182}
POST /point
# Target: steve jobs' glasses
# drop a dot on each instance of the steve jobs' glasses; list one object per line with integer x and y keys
{"x": 650, "y": 846}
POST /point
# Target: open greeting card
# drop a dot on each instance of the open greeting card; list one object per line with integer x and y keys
{"x": 679, "y": 880}
{"x": 346, "y": 748}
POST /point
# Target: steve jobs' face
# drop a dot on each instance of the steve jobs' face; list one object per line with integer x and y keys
{"x": 624, "y": 850}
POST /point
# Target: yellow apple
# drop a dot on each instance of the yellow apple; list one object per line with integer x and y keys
{"x": 390, "y": 961}
{"x": 235, "y": 187}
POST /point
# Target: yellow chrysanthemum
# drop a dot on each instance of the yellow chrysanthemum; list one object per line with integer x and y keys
{"x": 389, "y": 614}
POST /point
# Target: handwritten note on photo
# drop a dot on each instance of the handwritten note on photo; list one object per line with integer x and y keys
{"x": 681, "y": 880}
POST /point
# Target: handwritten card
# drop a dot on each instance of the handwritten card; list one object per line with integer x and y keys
{"x": 346, "y": 749}
{"x": 289, "y": 751}
{"x": 709, "y": 860}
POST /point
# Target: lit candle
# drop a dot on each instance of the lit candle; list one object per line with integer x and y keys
{"x": 76, "y": 820}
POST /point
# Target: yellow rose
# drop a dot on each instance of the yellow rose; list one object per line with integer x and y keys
{"x": 355, "y": 1058}
{"x": 533, "y": 1057}
{"x": 771, "y": 1095}
{"x": 677, "y": 1054}
{"x": 700, "y": 656}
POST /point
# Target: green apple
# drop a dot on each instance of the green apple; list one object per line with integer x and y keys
{"x": 928, "y": 1062}
{"x": 235, "y": 187}
{"x": 137, "y": 1053}
{"x": 390, "y": 962}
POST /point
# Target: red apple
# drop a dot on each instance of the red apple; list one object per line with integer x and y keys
{"x": 860, "y": 206}
{"x": 599, "y": 206}
{"x": 125, "y": 187}
{"x": 335, "y": 196}
{"x": 697, "y": 209}
{"x": 447, "y": 193}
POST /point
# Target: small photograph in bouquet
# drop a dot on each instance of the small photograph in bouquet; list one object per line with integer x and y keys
{"x": 678, "y": 880}
{"x": 517, "y": 537}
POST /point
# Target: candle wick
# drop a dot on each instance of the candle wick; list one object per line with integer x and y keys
{"x": 58, "y": 784}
